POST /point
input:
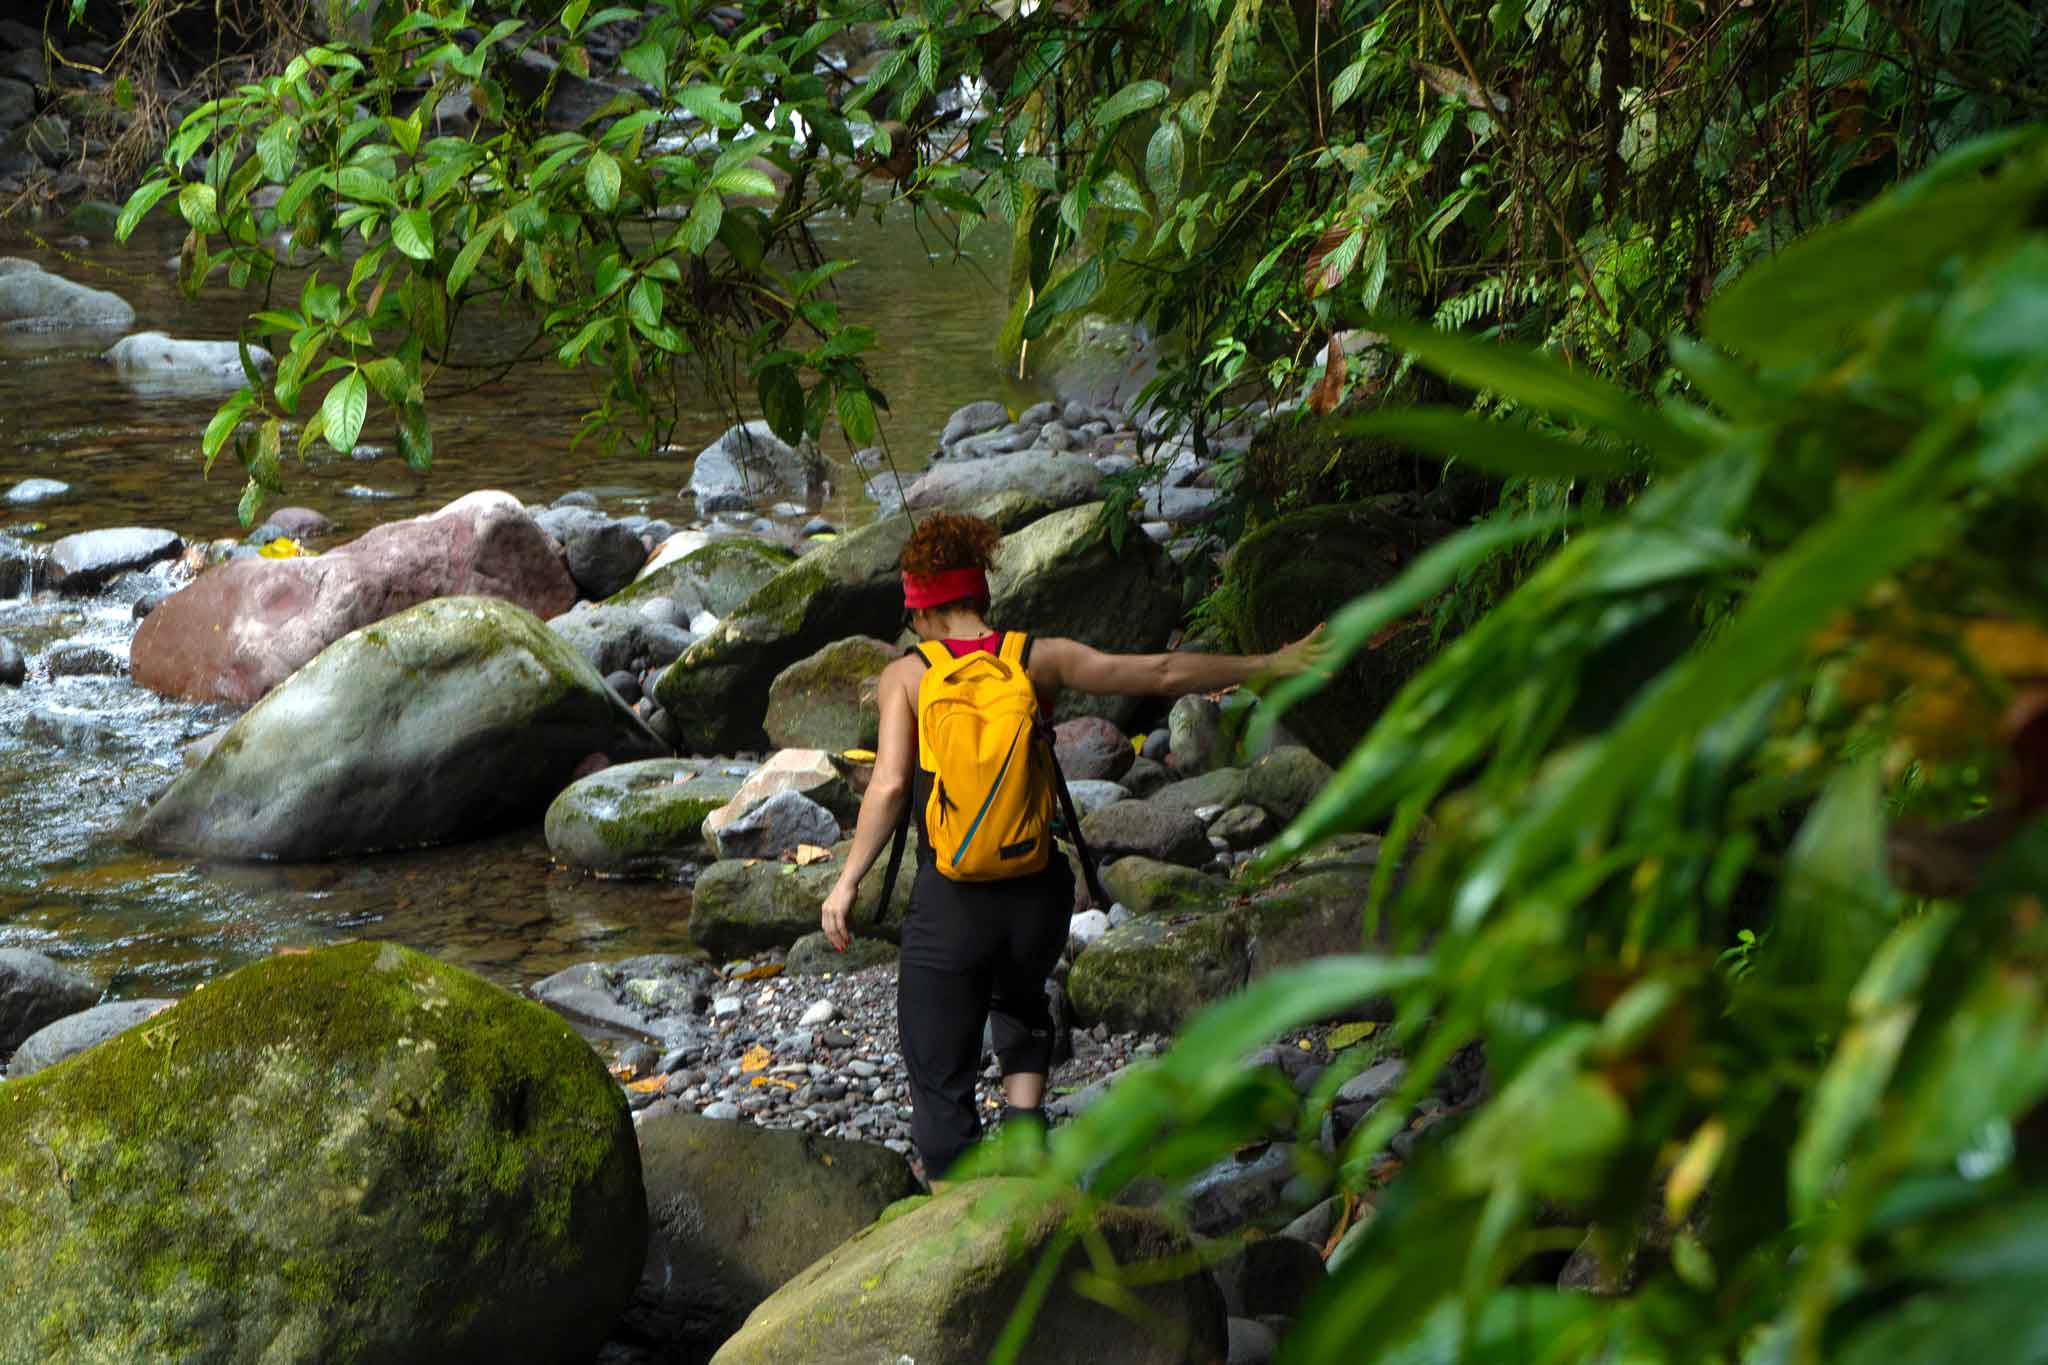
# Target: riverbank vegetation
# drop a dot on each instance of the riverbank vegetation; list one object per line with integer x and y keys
{"x": 1719, "y": 799}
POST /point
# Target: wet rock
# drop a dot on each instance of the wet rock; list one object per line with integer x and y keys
{"x": 615, "y": 638}
{"x": 81, "y": 734}
{"x": 714, "y": 578}
{"x": 1062, "y": 576}
{"x": 1158, "y": 744}
{"x": 1090, "y": 748}
{"x": 75, "y": 660}
{"x": 1146, "y": 777}
{"x": 736, "y": 1211}
{"x": 1198, "y": 743}
{"x": 1058, "y": 481}
{"x": 640, "y": 818}
{"x": 244, "y": 627}
{"x": 938, "y": 1282}
{"x": 1158, "y": 832}
{"x": 655, "y": 995}
{"x": 13, "y": 664}
{"x": 1150, "y": 887}
{"x": 1180, "y": 506}
{"x": 775, "y": 827}
{"x": 29, "y": 492}
{"x": 1149, "y": 975}
{"x": 626, "y": 683}
{"x": 1245, "y": 826}
{"x": 508, "y": 1216}
{"x": 809, "y": 772}
{"x": 300, "y": 523}
{"x": 32, "y": 299}
{"x": 36, "y": 992}
{"x": 814, "y": 955}
{"x": 457, "y": 717}
{"x": 751, "y": 464}
{"x": 972, "y": 420}
{"x": 1241, "y": 1189}
{"x": 828, "y": 700}
{"x": 86, "y": 561}
{"x": 40, "y": 142}
{"x": 744, "y": 905}
{"x": 603, "y": 557}
{"x": 1092, "y": 796}
{"x": 1219, "y": 788}
{"x": 1286, "y": 780}
{"x": 1310, "y": 913}
{"x": 153, "y": 361}
{"x": 73, "y": 1034}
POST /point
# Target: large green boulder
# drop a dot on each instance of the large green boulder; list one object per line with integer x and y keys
{"x": 352, "y": 1154}
{"x": 717, "y": 578}
{"x": 1065, "y": 575}
{"x": 1317, "y": 906}
{"x": 1146, "y": 886}
{"x": 1148, "y": 975}
{"x": 644, "y": 818}
{"x": 738, "y": 1210}
{"x": 1301, "y": 569}
{"x": 457, "y": 717}
{"x": 747, "y": 905}
{"x": 828, "y": 700}
{"x": 939, "y": 1283}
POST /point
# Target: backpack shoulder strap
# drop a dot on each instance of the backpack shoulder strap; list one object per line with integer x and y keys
{"x": 896, "y": 846}
{"x": 1015, "y": 648}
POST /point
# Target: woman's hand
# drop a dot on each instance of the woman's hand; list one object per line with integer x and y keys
{"x": 835, "y": 914}
{"x": 1303, "y": 656}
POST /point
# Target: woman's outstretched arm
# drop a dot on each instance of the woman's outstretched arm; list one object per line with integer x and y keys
{"x": 881, "y": 806}
{"x": 1069, "y": 663}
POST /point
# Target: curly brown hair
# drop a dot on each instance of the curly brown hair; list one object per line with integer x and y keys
{"x": 949, "y": 540}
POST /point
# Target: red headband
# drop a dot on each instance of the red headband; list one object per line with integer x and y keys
{"x": 936, "y": 590}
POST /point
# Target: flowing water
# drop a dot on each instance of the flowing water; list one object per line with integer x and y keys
{"x": 80, "y": 756}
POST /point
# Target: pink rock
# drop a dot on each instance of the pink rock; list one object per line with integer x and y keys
{"x": 249, "y": 624}
{"x": 1090, "y": 748}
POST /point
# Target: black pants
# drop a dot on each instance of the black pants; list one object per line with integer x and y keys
{"x": 973, "y": 952}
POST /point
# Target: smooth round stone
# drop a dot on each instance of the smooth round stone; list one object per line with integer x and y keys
{"x": 31, "y": 491}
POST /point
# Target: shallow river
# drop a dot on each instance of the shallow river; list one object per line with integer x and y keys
{"x": 80, "y": 756}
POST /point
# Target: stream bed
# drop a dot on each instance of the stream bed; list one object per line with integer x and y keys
{"x": 81, "y": 756}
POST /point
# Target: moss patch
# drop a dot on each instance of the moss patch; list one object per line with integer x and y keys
{"x": 353, "y": 1153}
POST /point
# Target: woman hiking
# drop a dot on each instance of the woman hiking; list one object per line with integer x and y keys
{"x": 989, "y": 907}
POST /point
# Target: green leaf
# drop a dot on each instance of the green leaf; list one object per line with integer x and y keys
{"x": 1116, "y": 191}
{"x": 346, "y": 405}
{"x": 1508, "y": 448}
{"x": 223, "y": 424}
{"x": 412, "y": 232}
{"x": 415, "y": 437}
{"x": 1346, "y": 84}
{"x": 644, "y": 302}
{"x": 601, "y": 178}
{"x": 142, "y": 201}
{"x": 361, "y": 183}
{"x": 1133, "y": 98}
{"x": 196, "y": 206}
{"x": 710, "y": 104}
{"x": 744, "y": 180}
{"x": 1835, "y": 905}
{"x": 857, "y": 416}
{"x": 1070, "y": 293}
{"x": 278, "y": 149}
{"x": 1545, "y": 384}
{"x": 702, "y": 228}
{"x": 648, "y": 62}
{"x": 1166, "y": 158}
{"x": 782, "y": 401}
{"x": 472, "y": 252}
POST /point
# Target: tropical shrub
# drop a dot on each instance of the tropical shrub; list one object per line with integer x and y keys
{"x": 1794, "y": 688}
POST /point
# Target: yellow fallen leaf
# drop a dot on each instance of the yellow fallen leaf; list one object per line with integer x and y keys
{"x": 651, "y": 1083}
{"x": 758, "y": 1058}
{"x": 284, "y": 547}
{"x": 803, "y": 855}
{"x": 1305, "y": 1045}
{"x": 858, "y": 755}
{"x": 1137, "y": 744}
{"x": 775, "y": 1080}
{"x": 1350, "y": 1035}
{"x": 760, "y": 973}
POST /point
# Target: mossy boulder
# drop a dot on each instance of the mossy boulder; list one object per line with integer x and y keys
{"x": 1148, "y": 887}
{"x": 717, "y": 578}
{"x": 718, "y": 691}
{"x": 1223, "y": 787}
{"x": 938, "y": 1282}
{"x": 1148, "y": 975}
{"x": 1283, "y": 782}
{"x": 828, "y": 700}
{"x": 814, "y": 955}
{"x": 352, "y": 1154}
{"x": 1299, "y": 570}
{"x": 1316, "y": 907}
{"x": 736, "y": 1211}
{"x": 1065, "y": 575}
{"x": 640, "y": 818}
{"x": 457, "y": 717}
{"x": 748, "y": 905}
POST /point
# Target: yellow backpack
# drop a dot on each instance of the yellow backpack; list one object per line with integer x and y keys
{"x": 988, "y": 755}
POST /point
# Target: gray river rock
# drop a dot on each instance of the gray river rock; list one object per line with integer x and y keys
{"x": 454, "y": 718}
{"x": 34, "y": 300}
{"x": 84, "y": 562}
{"x": 73, "y": 1034}
{"x": 751, "y": 465}
{"x": 152, "y": 361}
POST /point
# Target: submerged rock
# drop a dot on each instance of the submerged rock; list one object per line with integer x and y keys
{"x": 244, "y": 627}
{"x": 939, "y": 1282}
{"x": 455, "y": 718}
{"x": 357, "y": 1153}
{"x": 152, "y": 360}
{"x": 750, "y": 464}
{"x": 737, "y": 1211}
{"x": 33, "y": 300}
